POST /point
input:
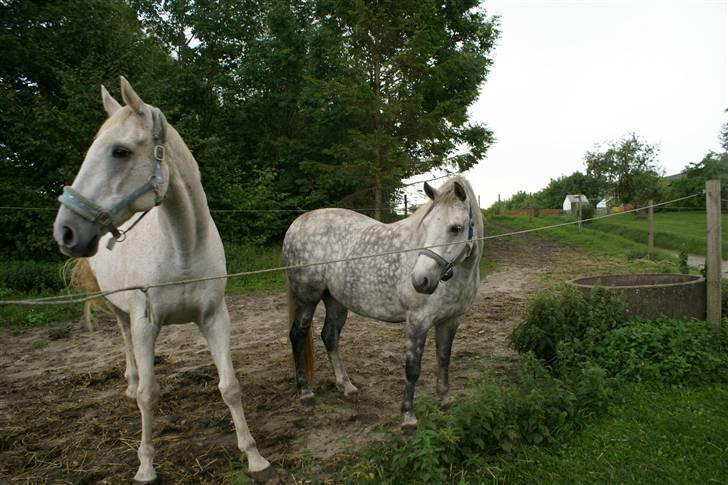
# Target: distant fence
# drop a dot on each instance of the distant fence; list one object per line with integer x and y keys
{"x": 524, "y": 212}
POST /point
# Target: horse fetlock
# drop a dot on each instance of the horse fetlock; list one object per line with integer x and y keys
{"x": 146, "y": 472}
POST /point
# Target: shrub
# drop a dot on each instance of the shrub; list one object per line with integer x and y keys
{"x": 563, "y": 327}
{"x": 31, "y": 276}
{"x": 666, "y": 351}
{"x": 488, "y": 419}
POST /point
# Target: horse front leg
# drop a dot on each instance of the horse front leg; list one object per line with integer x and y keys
{"x": 143, "y": 336}
{"x": 444, "y": 336}
{"x": 216, "y": 330}
{"x": 415, "y": 344}
{"x": 130, "y": 373}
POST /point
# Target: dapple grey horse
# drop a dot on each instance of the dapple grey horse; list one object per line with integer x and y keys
{"x": 424, "y": 288}
{"x": 138, "y": 163}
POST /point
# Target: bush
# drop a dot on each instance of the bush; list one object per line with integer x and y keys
{"x": 31, "y": 276}
{"x": 563, "y": 327}
{"x": 489, "y": 419}
{"x": 666, "y": 351}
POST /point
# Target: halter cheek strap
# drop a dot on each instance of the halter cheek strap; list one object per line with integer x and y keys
{"x": 447, "y": 267}
{"x": 96, "y": 214}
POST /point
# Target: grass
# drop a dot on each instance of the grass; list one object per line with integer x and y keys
{"x": 654, "y": 435}
{"x": 596, "y": 243}
{"x": 674, "y": 231}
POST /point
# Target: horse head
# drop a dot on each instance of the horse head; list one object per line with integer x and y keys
{"x": 447, "y": 227}
{"x": 123, "y": 173}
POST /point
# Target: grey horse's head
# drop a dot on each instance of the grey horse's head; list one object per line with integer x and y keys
{"x": 446, "y": 223}
{"x": 121, "y": 174}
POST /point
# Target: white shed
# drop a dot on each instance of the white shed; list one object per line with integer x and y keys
{"x": 603, "y": 205}
{"x": 571, "y": 201}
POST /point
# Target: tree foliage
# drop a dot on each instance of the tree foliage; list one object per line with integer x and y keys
{"x": 285, "y": 104}
{"x": 630, "y": 169}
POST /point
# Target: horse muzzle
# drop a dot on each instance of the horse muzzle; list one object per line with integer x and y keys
{"x": 424, "y": 284}
{"x": 75, "y": 236}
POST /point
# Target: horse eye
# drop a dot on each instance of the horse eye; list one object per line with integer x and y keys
{"x": 456, "y": 229}
{"x": 120, "y": 152}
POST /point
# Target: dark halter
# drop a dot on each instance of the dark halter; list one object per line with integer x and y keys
{"x": 447, "y": 267}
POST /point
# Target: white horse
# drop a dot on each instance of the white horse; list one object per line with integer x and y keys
{"x": 432, "y": 287}
{"x": 136, "y": 162}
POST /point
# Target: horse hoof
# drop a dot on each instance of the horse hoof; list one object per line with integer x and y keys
{"x": 446, "y": 402}
{"x": 154, "y": 481}
{"x": 351, "y": 393}
{"x": 307, "y": 398}
{"x": 409, "y": 429}
{"x": 266, "y": 475}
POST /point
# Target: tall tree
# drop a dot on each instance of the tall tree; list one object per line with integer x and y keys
{"x": 630, "y": 168}
{"x": 396, "y": 78}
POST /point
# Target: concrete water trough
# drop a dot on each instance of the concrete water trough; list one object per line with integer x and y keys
{"x": 648, "y": 296}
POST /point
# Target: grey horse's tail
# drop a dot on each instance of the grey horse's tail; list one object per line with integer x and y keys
{"x": 77, "y": 273}
{"x": 308, "y": 345}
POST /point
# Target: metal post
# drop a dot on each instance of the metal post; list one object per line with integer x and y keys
{"x": 650, "y": 231}
{"x": 713, "y": 260}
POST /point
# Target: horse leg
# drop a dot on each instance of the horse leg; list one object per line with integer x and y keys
{"x": 130, "y": 374}
{"x": 335, "y": 318}
{"x": 216, "y": 330}
{"x": 415, "y": 344}
{"x": 444, "y": 335}
{"x": 303, "y": 314}
{"x": 143, "y": 336}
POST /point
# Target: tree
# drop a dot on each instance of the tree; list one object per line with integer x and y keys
{"x": 390, "y": 83}
{"x": 629, "y": 167}
{"x": 552, "y": 196}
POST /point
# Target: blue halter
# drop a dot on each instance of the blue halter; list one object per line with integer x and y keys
{"x": 96, "y": 214}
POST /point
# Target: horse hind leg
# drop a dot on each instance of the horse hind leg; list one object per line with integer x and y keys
{"x": 336, "y": 314}
{"x": 300, "y": 335}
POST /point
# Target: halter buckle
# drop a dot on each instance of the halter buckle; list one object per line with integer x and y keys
{"x": 159, "y": 152}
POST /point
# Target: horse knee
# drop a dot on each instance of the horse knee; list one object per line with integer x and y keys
{"x": 230, "y": 390}
{"x": 147, "y": 396}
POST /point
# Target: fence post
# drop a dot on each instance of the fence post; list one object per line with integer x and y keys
{"x": 650, "y": 230}
{"x": 406, "y": 213}
{"x": 578, "y": 215}
{"x": 713, "y": 260}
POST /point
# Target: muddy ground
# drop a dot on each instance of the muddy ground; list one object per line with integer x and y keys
{"x": 64, "y": 418}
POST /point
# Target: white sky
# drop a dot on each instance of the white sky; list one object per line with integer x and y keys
{"x": 569, "y": 74}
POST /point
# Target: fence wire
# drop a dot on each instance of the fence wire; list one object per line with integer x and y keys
{"x": 81, "y": 298}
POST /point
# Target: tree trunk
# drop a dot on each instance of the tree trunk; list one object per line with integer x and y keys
{"x": 378, "y": 198}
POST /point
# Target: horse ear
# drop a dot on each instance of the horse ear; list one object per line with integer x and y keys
{"x": 431, "y": 193}
{"x": 111, "y": 105}
{"x": 460, "y": 191}
{"x": 130, "y": 97}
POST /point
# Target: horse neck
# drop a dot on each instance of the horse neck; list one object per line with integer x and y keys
{"x": 184, "y": 215}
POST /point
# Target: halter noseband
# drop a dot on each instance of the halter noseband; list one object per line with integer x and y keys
{"x": 94, "y": 213}
{"x": 447, "y": 267}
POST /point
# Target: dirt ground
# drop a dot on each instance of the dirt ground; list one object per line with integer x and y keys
{"x": 64, "y": 417}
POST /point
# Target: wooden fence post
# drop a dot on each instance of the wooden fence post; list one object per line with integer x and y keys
{"x": 650, "y": 231}
{"x": 406, "y": 213}
{"x": 714, "y": 259}
{"x": 578, "y": 215}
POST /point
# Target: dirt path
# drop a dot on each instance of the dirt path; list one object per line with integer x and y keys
{"x": 63, "y": 418}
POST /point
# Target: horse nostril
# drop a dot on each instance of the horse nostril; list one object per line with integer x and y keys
{"x": 425, "y": 282}
{"x": 68, "y": 236}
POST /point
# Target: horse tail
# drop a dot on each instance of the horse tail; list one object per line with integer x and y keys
{"x": 77, "y": 273}
{"x": 308, "y": 354}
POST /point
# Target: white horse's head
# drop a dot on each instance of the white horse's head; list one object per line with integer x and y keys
{"x": 123, "y": 173}
{"x": 447, "y": 223}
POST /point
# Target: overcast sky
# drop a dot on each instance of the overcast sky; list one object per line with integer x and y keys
{"x": 570, "y": 74}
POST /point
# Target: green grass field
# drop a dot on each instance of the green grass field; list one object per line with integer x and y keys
{"x": 674, "y": 231}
